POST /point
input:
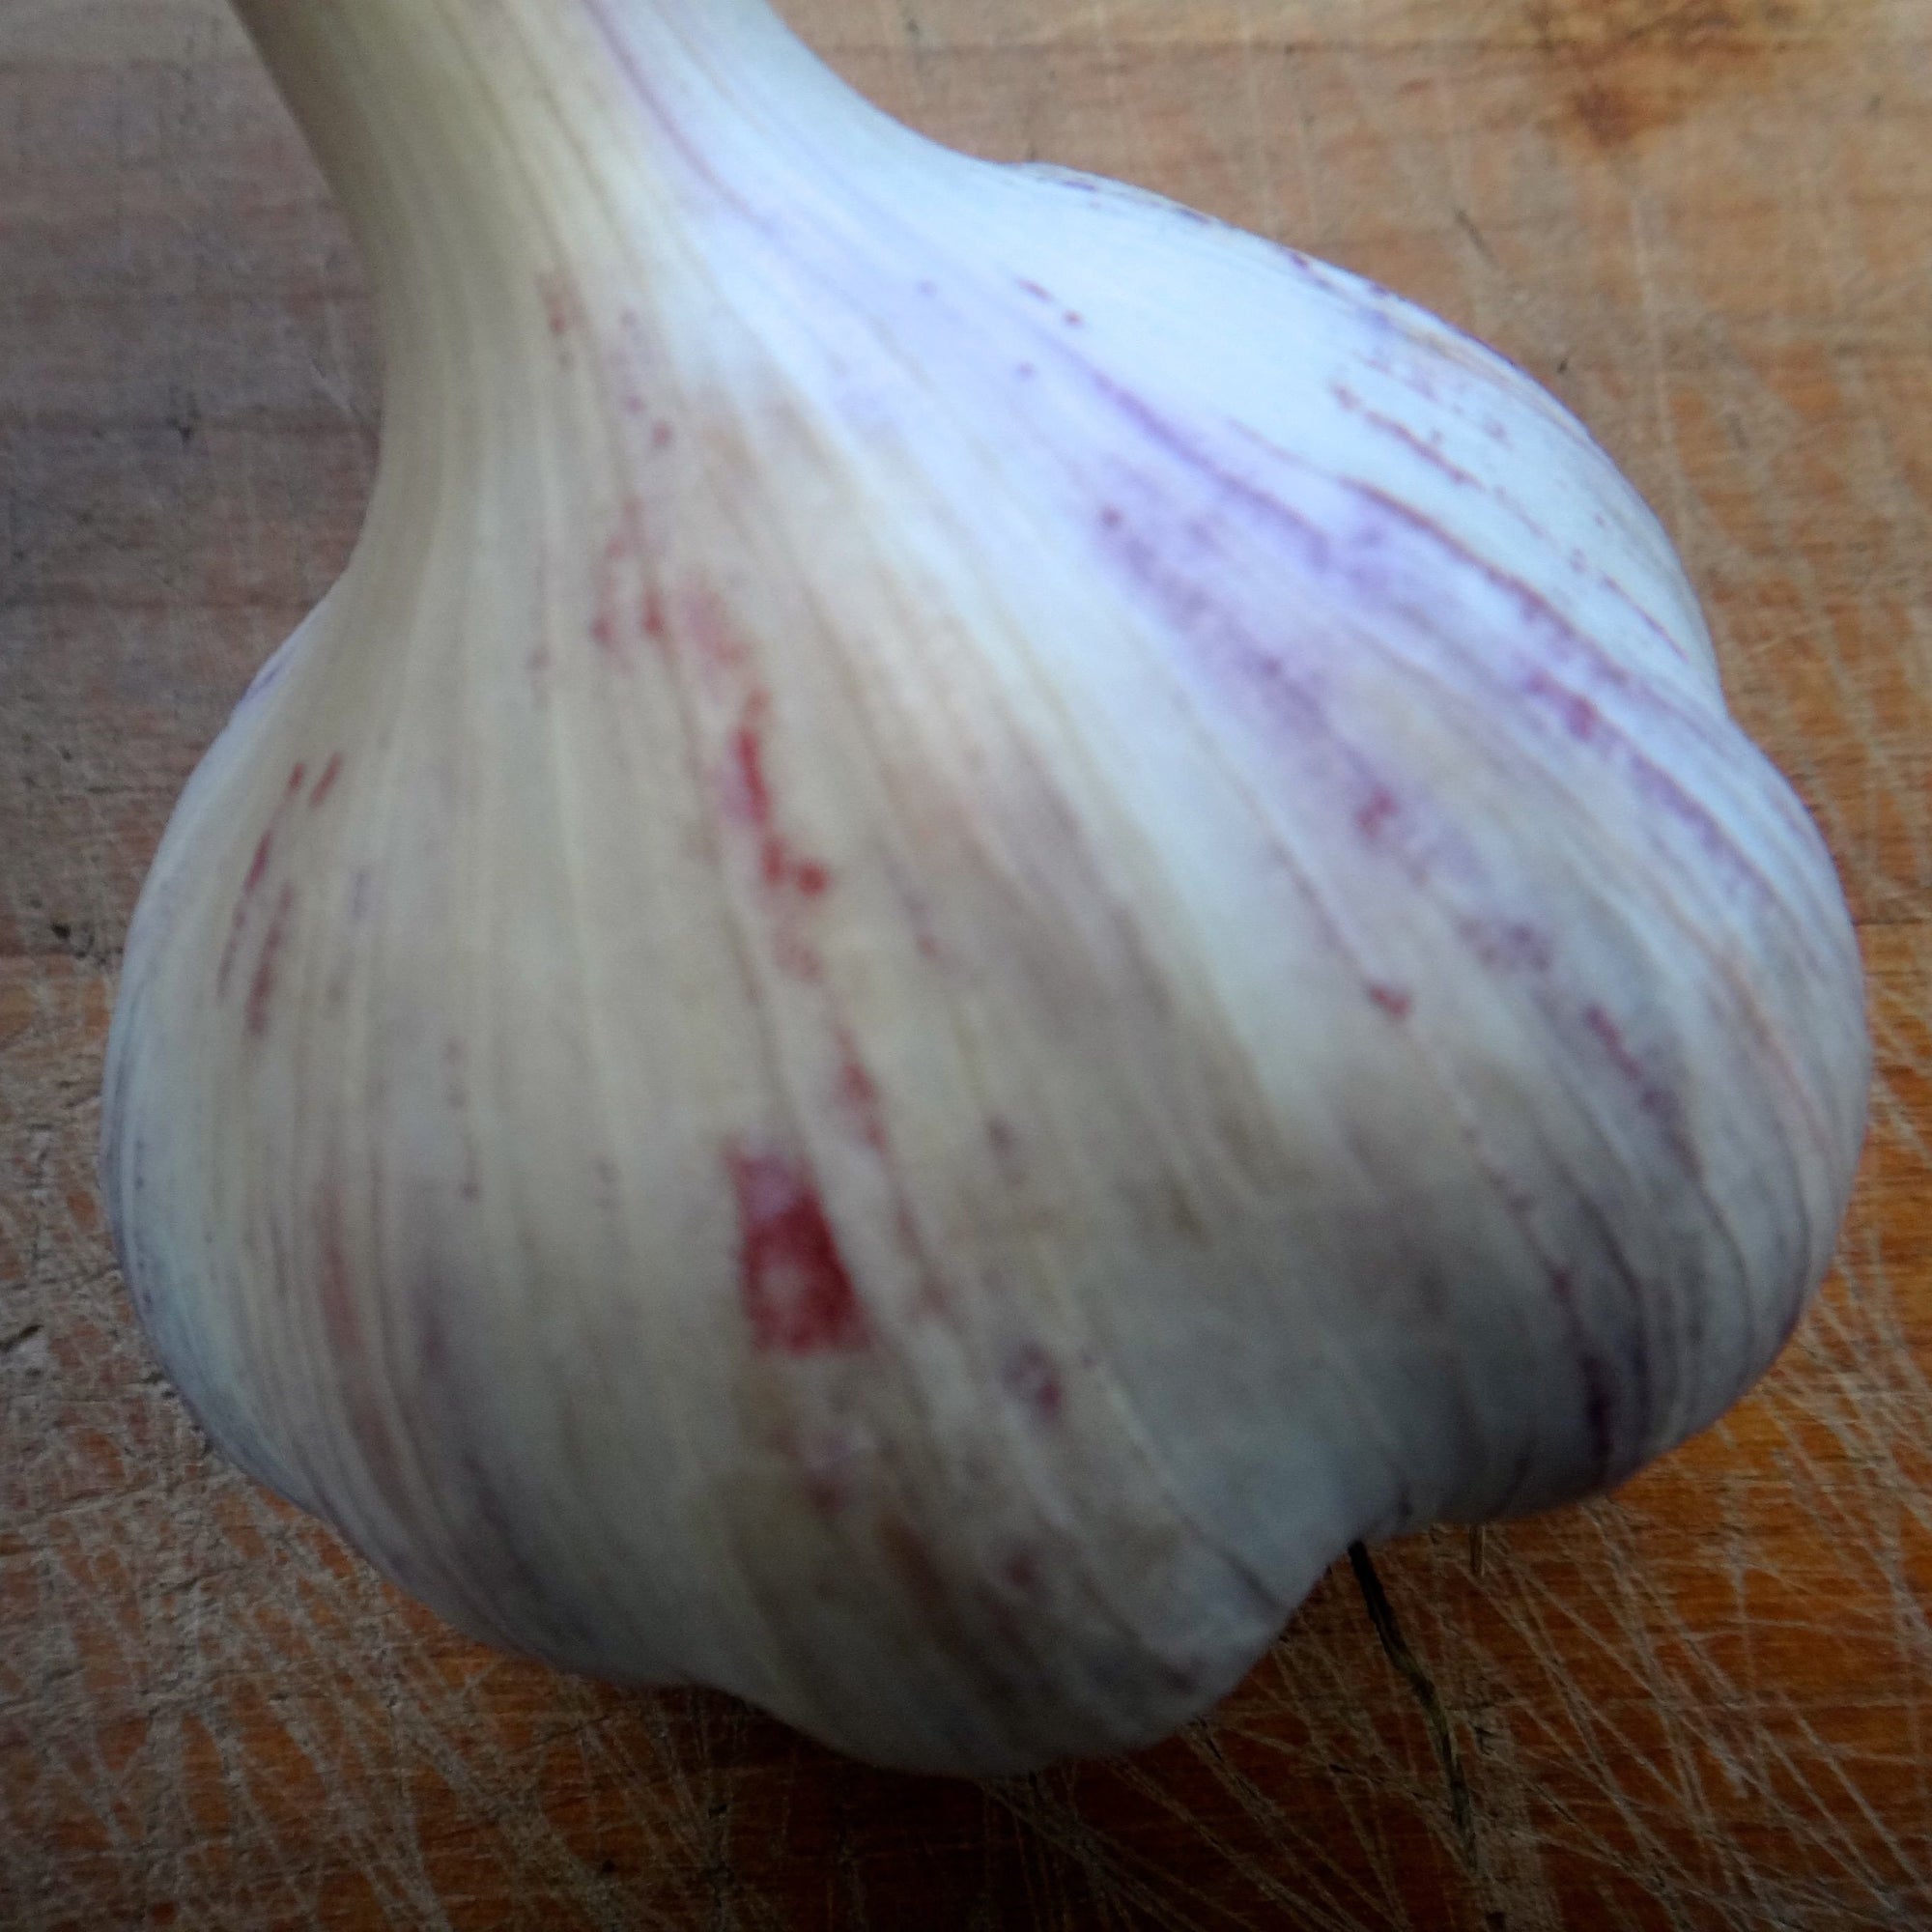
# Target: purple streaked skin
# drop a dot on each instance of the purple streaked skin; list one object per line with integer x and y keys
{"x": 961, "y": 1351}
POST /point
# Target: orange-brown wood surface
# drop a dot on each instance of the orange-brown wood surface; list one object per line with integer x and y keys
{"x": 1704, "y": 1702}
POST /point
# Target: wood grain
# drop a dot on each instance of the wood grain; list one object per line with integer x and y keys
{"x": 1708, "y": 225}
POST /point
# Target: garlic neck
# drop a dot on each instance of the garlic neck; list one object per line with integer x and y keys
{"x": 475, "y": 144}
{"x": 501, "y": 161}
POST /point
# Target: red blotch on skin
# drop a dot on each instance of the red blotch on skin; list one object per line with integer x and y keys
{"x": 297, "y": 773}
{"x": 797, "y": 1295}
{"x": 618, "y": 592}
{"x": 326, "y": 783}
{"x": 778, "y": 865}
{"x": 797, "y": 957}
{"x": 747, "y": 750}
{"x": 561, "y": 310}
{"x": 262, "y": 986}
{"x": 1392, "y": 1000}
{"x": 919, "y": 911}
{"x": 859, "y": 1092}
{"x": 1034, "y": 290}
{"x": 721, "y": 651}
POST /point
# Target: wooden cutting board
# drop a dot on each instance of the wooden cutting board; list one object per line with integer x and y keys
{"x": 1707, "y": 1702}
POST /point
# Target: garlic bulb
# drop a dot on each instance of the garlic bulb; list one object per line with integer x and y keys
{"x": 985, "y": 915}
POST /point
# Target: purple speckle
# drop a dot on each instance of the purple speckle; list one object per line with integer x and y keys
{"x": 258, "y": 870}
{"x": 326, "y": 783}
{"x": 1577, "y": 714}
{"x": 1021, "y": 1572}
{"x": 1654, "y": 1097}
{"x": 262, "y": 986}
{"x": 1509, "y": 945}
{"x": 1427, "y": 448}
{"x": 258, "y": 866}
{"x": 859, "y": 1093}
{"x": 604, "y": 1188}
{"x": 1372, "y": 818}
{"x": 1032, "y": 1378}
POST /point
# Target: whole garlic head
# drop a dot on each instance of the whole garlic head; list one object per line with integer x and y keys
{"x": 985, "y": 915}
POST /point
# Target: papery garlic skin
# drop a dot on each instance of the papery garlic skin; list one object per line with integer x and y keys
{"x": 985, "y": 915}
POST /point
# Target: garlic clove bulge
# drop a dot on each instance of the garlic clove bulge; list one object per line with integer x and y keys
{"x": 985, "y": 915}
